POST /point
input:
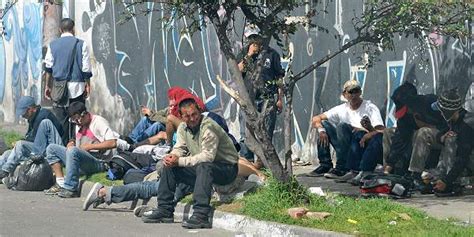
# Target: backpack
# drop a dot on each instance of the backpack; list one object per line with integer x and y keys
{"x": 124, "y": 161}
{"x": 31, "y": 175}
{"x": 385, "y": 185}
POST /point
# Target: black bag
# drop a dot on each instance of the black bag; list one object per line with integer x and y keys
{"x": 31, "y": 175}
{"x": 119, "y": 164}
{"x": 59, "y": 91}
{"x": 386, "y": 185}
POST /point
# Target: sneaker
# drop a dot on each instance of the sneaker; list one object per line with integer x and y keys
{"x": 318, "y": 172}
{"x": 54, "y": 190}
{"x": 156, "y": 216}
{"x": 140, "y": 210}
{"x": 334, "y": 174}
{"x": 3, "y": 174}
{"x": 195, "y": 222}
{"x": 64, "y": 193}
{"x": 93, "y": 197}
{"x": 345, "y": 178}
{"x": 356, "y": 180}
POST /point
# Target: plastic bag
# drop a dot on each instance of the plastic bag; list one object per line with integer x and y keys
{"x": 310, "y": 148}
{"x": 32, "y": 175}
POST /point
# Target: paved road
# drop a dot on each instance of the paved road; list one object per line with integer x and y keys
{"x": 35, "y": 214}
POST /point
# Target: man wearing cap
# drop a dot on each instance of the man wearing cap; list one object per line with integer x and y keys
{"x": 342, "y": 126}
{"x": 94, "y": 141}
{"x": 455, "y": 141}
{"x": 268, "y": 90}
{"x": 62, "y": 66}
{"x": 43, "y": 129}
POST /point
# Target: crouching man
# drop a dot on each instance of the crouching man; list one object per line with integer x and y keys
{"x": 203, "y": 154}
{"x": 95, "y": 141}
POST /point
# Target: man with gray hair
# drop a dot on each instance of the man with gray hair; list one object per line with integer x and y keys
{"x": 68, "y": 73}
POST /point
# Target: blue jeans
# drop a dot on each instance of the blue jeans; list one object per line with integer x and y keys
{"x": 75, "y": 160}
{"x": 144, "y": 129}
{"x": 47, "y": 134}
{"x": 339, "y": 137}
{"x": 365, "y": 158}
{"x": 133, "y": 191}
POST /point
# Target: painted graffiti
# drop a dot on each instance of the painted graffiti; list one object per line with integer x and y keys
{"x": 134, "y": 63}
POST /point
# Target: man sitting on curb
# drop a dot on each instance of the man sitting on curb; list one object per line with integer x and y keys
{"x": 455, "y": 141}
{"x": 338, "y": 125}
{"x": 203, "y": 154}
{"x": 145, "y": 190}
{"x": 95, "y": 141}
{"x": 43, "y": 129}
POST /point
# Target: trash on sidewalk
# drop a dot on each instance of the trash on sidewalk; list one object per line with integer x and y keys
{"x": 352, "y": 221}
{"x": 297, "y": 212}
{"x": 318, "y": 215}
{"x": 404, "y": 216}
{"x": 317, "y": 190}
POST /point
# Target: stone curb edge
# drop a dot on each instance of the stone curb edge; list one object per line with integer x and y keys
{"x": 254, "y": 227}
{"x": 238, "y": 223}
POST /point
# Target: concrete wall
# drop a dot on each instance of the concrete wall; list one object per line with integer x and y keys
{"x": 136, "y": 62}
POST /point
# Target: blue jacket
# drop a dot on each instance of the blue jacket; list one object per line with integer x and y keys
{"x": 62, "y": 49}
{"x": 35, "y": 121}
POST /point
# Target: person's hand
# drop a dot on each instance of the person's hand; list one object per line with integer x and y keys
{"x": 87, "y": 90}
{"x": 86, "y": 147}
{"x": 448, "y": 134}
{"x": 47, "y": 93}
{"x": 323, "y": 139}
{"x": 170, "y": 160}
{"x": 439, "y": 185}
{"x": 365, "y": 138}
{"x": 366, "y": 123}
{"x": 253, "y": 50}
{"x": 279, "y": 105}
{"x": 146, "y": 111}
{"x": 70, "y": 144}
{"x": 241, "y": 66}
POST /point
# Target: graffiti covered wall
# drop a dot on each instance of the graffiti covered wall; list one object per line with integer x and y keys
{"x": 20, "y": 55}
{"x": 136, "y": 62}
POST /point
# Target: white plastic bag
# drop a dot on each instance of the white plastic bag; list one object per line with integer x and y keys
{"x": 309, "y": 152}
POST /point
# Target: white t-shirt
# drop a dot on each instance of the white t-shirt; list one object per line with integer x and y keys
{"x": 344, "y": 114}
{"x": 98, "y": 131}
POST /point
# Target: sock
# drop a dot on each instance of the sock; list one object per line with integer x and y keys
{"x": 60, "y": 181}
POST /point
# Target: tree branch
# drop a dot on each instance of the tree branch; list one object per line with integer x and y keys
{"x": 314, "y": 65}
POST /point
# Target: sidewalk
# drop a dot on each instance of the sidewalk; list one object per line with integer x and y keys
{"x": 461, "y": 208}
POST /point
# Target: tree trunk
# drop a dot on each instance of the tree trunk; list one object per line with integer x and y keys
{"x": 257, "y": 138}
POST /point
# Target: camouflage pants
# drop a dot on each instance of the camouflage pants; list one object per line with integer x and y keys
{"x": 387, "y": 143}
{"x": 423, "y": 141}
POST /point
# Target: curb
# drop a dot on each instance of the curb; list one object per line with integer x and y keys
{"x": 242, "y": 225}
{"x": 252, "y": 227}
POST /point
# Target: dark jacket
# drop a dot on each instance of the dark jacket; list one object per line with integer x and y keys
{"x": 35, "y": 121}
{"x": 419, "y": 108}
{"x": 464, "y": 128}
{"x": 271, "y": 71}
